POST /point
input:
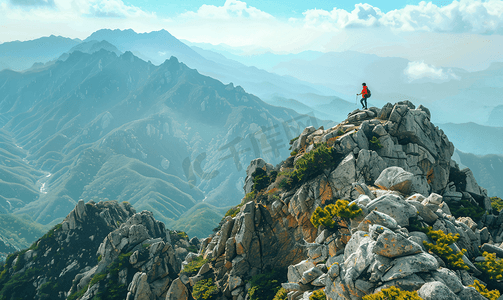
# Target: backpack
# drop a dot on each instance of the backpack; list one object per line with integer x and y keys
{"x": 368, "y": 93}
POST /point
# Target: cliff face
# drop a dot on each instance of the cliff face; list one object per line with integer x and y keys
{"x": 392, "y": 167}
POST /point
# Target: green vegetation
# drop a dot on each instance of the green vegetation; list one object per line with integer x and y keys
{"x": 492, "y": 267}
{"x": 281, "y": 294}
{"x": 205, "y": 289}
{"x": 314, "y": 163}
{"x": 193, "y": 267}
{"x": 249, "y": 197}
{"x": 318, "y": 295}
{"x": 341, "y": 210}
{"x": 374, "y": 143}
{"x": 293, "y": 153}
{"x": 233, "y": 211}
{"x": 393, "y": 293}
{"x": 294, "y": 139}
{"x": 265, "y": 286}
{"x": 491, "y": 295}
{"x": 176, "y": 235}
{"x": 442, "y": 249}
{"x": 465, "y": 208}
{"x": 497, "y": 203}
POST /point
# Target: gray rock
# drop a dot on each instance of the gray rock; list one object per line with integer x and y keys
{"x": 469, "y": 293}
{"x": 408, "y": 265}
{"x": 137, "y": 234}
{"x": 295, "y": 272}
{"x": 436, "y": 290}
{"x": 177, "y": 291}
{"x": 310, "y": 275}
{"x": 396, "y": 179}
{"x": 484, "y": 235}
{"x": 390, "y": 244}
{"x": 334, "y": 270}
{"x": 320, "y": 281}
{"x": 322, "y": 236}
{"x": 369, "y": 165}
{"x": 427, "y": 214}
{"x": 449, "y": 278}
{"x": 410, "y": 283}
{"x": 394, "y": 206}
{"x": 139, "y": 287}
{"x": 377, "y": 218}
{"x": 492, "y": 249}
{"x": 343, "y": 176}
{"x": 235, "y": 282}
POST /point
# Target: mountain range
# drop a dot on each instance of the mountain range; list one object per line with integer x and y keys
{"x": 102, "y": 126}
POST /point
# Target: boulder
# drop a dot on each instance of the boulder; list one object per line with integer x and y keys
{"x": 377, "y": 218}
{"x": 394, "y": 206}
{"x": 310, "y": 275}
{"x": 295, "y": 272}
{"x": 436, "y": 290}
{"x": 408, "y": 265}
{"x": 396, "y": 179}
{"x": 449, "y": 278}
{"x": 469, "y": 293}
{"x": 391, "y": 245}
{"x": 427, "y": 214}
{"x": 177, "y": 291}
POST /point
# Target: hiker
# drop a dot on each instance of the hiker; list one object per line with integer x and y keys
{"x": 365, "y": 94}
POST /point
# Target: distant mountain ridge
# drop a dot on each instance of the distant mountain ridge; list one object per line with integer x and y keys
{"x": 102, "y": 126}
{"x": 19, "y": 55}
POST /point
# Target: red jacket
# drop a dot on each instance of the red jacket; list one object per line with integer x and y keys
{"x": 364, "y": 91}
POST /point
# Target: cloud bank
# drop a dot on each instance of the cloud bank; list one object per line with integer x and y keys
{"x": 456, "y": 28}
{"x": 419, "y": 70}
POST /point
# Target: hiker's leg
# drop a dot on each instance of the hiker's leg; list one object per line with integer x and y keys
{"x": 365, "y": 102}
{"x": 361, "y": 101}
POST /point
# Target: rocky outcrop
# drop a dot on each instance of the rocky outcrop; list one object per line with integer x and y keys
{"x": 391, "y": 163}
{"x": 50, "y": 265}
{"x": 396, "y": 166}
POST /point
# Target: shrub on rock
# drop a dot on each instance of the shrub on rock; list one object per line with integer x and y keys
{"x": 341, "y": 210}
{"x": 491, "y": 295}
{"x": 442, "y": 249}
{"x": 393, "y": 293}
{"x": 205, "y": 289}
{"x": 492, "y": 267}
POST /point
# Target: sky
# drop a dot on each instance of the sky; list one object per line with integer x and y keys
{"x": 463, "y": 34}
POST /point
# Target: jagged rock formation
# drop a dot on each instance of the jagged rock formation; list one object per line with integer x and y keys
{"x": 102, "y": 250}
{"x": 396, "y": 165}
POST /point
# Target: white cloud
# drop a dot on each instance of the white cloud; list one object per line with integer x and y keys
{"x": 231, "y": 9}
{"x": 473, "y": 16}
{"x": 364, "y": 15}
{"x": 419, "y": 70}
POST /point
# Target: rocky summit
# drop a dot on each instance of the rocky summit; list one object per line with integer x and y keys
{"x": 372, "y": 208}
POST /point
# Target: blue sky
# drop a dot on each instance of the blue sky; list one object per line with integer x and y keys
{"x": 461, "y": 33}
{"x": 277, "y": 8}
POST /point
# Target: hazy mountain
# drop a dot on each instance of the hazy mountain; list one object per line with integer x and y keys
{"x": 102, "y": 126}
{"x": 475, "y": 138}
{"x": 496, "y": 116}
{"x": 487, "y": 169}
{"x": 19, "y": 55}
{"x": 455, "y": 94}
{"x": 90, "y": 47}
